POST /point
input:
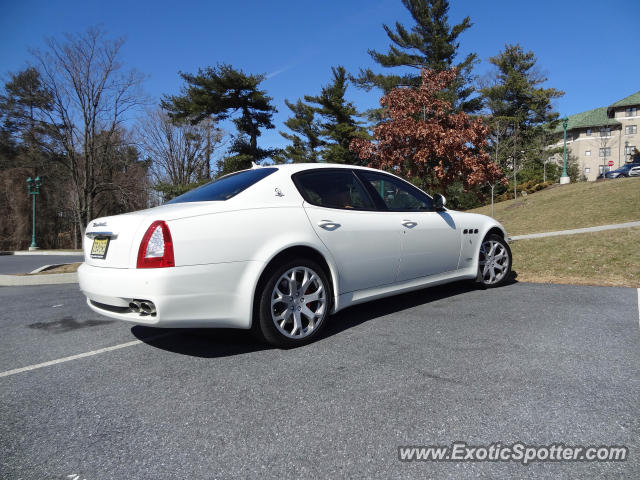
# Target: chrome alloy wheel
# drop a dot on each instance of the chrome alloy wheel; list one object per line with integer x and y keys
{"x": 298, "y": 302}
{"x": 494, "y": 261}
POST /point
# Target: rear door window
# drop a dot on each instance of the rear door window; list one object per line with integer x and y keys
{"x": 397, "y": 195}
{"x": 338, "y": 188}
{"x": 225, "y": 187}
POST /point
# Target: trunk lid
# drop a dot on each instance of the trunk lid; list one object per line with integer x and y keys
{"x": 112, "y": 238}
{"x": 124, "y": 232}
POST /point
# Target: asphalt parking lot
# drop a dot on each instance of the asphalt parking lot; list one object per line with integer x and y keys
{"x": 527, "y": 362}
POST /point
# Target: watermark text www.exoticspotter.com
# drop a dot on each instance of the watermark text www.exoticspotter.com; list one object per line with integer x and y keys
{"x": 516, "y": 452}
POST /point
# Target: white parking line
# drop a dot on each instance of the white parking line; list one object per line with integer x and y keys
{"x": 82, "y": 355}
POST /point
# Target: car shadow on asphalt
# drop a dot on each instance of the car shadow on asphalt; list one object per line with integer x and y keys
{"x": 224, "y": 342}
{"x": 354, "y": 316}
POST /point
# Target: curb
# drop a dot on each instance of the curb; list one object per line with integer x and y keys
{"x": 26, "y": 280}
{"x": 43, "y": 252}
{"x": 48, "y": 267}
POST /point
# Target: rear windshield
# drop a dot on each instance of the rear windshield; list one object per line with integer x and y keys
{"x": 225, "y": 187}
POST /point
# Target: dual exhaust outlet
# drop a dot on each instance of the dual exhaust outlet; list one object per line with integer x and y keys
{"x": 143, "y": 307}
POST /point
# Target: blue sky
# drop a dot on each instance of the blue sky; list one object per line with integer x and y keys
{"x": 587, "y": 48}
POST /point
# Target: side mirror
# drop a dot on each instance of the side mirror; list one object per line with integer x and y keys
{"x": 439, "y": 202}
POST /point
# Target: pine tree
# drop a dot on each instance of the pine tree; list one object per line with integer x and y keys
{"x": 23, "y": 109}
{"x": 221, "y": 92}
{"x": 339, "y": 124}
{"x": 520, "y": 108}
{"x": 430, "y": 43}
{"x": 305, "y": 139}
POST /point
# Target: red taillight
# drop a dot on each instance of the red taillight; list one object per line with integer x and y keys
{"x": 156, "y": 248}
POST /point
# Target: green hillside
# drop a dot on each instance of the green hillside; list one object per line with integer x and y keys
{"x": 610, "y": 257}
{"x": 562, "y": 207}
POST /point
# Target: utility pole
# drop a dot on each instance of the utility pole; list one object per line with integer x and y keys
{"x": 496, "y": 160}
{"x": 492, "y": 187}
{"x": 515, "y": 179}
{"x": 207, "y": 165}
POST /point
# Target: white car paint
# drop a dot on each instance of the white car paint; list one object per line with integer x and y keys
{"x": 366, "y": 245}
{"x": 221, "y": 249}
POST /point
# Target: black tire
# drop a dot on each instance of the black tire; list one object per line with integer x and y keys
{"x": 265, "y": 325}
{"x": 485, "y": 278}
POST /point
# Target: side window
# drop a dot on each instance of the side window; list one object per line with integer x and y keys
{"x": 333, "y": 189}
{"x": 397, "y": 195}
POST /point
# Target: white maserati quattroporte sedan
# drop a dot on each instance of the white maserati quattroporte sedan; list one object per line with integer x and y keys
{"x": 277, "y": 249}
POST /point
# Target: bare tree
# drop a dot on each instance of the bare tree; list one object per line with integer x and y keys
{"x": 498, "y": 129}
{"x": 92, "y": 97}
{"x": 180, "y": 153}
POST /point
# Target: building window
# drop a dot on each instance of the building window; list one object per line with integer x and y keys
{"x": 630, "y": 129}
{"x": 604, "y": 168}
{"x": 587, "y": 170}
{"x": 588, "y": 132}
{"x": 587, "y": 153}
{"x": 631, "y": 112}
{"x": 628, "y": 150}
{"x": 605, "y": 132}
{"x": 605, "y": 152}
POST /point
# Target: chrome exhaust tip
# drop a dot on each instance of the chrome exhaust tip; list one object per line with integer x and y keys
{"x": 135, "y": 306}
{"x": 147, "y": 308}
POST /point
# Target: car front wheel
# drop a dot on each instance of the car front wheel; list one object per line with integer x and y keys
{"x": 294, "y": 304}
{"x": 494, "y": 266}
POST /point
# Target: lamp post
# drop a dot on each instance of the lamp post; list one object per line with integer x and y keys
{"x": 564, "y": 178}
{"x": 33, "y": 187}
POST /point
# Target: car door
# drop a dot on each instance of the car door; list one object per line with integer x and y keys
{"x": 364, "y": 244}
{"x": 430, "y": 239}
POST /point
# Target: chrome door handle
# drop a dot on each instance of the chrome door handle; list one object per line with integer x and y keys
{"x": 328, "y": 225}
{"x": 409, "y": 223}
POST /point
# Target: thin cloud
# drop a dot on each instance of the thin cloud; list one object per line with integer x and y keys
{"x": 278, "y": 72}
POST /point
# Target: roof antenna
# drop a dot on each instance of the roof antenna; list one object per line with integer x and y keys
{"x": 254, "y": 165}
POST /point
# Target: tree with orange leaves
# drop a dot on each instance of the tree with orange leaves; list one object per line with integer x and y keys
{"x": 422, "y": 138}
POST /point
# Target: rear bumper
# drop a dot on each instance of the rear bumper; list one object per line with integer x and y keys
{"x": 214, "y": 295}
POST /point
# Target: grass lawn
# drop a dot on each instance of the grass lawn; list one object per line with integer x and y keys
{"x": 563, "y": 207}
{"x": 610, "y": 258}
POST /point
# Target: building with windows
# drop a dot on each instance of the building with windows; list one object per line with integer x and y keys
{"x": 604, "y": 138}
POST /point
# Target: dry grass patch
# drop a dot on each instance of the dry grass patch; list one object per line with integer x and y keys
{"x": 609, "y": 258}
{"x": 578, "y": 205}
{"x": 69, "y": 268}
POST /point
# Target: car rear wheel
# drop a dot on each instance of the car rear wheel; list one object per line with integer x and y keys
{"x": 494, "y": 266}
{"x": 294, "y": 303}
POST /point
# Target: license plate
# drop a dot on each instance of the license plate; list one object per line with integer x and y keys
{"x": 99, "y": 248}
